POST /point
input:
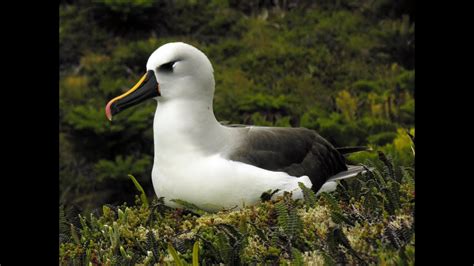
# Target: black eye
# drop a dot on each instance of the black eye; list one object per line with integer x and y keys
{"x": 168, "y": 67}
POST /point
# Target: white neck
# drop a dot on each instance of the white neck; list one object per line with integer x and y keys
{"x": 187, "y": 126}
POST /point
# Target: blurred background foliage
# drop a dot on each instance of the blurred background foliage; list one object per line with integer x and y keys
{"x": 344, "y": 68}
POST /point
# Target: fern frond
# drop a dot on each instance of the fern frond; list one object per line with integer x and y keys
{"x": 392, "y": 235}
{"x": 232, "y": 232}
{"x": 308, "y": 195}
{"x": 151, "y": 244}
{"x": 331, "y": 201}
{"x": 294, "y": 223}
{"x": 338, "y": 218}
{"x": 387, "y": 161}
{"x": 282, "y": 214}
{"x": 64, "y": 228}
{"x": 179, "y": 245}
{"x": 223, "y": 246}
{"x": 297, "y": 257}
{"x": 235, "y": 239}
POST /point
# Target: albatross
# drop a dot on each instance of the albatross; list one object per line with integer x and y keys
{"x": 213, "y": 166}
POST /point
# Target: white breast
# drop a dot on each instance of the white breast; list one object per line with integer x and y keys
{"x": 214, "y": 183}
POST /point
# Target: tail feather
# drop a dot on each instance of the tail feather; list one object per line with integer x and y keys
{"x": 352, "y": 170}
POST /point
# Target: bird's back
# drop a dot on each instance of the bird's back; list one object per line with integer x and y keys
{"x": 296, "y": 151}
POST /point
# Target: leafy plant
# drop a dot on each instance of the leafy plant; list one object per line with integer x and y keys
{"x": 367, "y": 220}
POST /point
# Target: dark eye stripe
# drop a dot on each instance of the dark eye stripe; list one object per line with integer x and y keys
{"x": 168, "y": 67}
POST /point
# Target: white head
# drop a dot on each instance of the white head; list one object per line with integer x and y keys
{"x": 178, "y": 65}
{"x": 174, "y": 71}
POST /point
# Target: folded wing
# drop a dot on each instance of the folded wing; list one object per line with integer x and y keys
{"x": 296, "y": 151}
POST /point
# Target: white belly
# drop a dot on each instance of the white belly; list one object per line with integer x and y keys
{"x": 214, "y": 183}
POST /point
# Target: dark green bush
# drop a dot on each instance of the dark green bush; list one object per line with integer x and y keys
{"x": 381, "y": 139}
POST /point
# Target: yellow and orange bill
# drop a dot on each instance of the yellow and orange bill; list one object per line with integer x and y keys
{"x": 146, "y": 88}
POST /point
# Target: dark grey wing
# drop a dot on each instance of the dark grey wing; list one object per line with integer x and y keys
{"x": 296, "y": 151}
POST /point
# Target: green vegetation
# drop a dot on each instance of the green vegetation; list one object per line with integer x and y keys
{"x": 368, "y": 220}
{"x": 344, "y": 68}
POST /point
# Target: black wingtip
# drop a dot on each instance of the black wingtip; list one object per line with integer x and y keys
{"x": 347, "y": 150}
